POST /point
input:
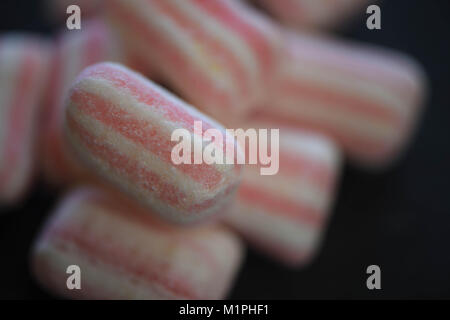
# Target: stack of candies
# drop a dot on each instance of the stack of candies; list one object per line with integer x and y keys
{"x": 82, "y": 110}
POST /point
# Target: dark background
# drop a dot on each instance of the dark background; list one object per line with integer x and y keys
{"x": 398, "y": 219}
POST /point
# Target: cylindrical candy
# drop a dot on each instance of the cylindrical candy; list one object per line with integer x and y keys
{"x": 75, "y": 51}
{"x": 23, "y": 71}
{"x": 285, "y": 215}
{"x": 313, "y": 13}
{"x": 217, "y": 54}
{"x": 123, "y": 253}
{"x": 122, "y": 124}
{"x": 365, "y": 98}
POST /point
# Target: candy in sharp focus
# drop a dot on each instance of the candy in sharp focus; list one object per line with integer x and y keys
{"x": 285, "y": 215}
{"x": 121, "y": 125}
{"x": 366, "y": 98}
{"x": 23, "y": 71}
{"x": 124, "y": 253}
{"x": 217, "y": 54}
{"x": 313, "y": 13}
{"x": 75, "y": 50}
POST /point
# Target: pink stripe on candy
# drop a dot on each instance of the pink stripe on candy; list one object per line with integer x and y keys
{"x": 141, "y": 132}
{"x": 279, "y": 206}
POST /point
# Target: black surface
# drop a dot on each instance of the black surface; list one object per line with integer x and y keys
{"x": 399, "y": 219}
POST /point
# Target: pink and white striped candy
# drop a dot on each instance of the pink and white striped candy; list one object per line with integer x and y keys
{"x": 217, "y": 54}
{"x": 121, "y": 125}
{"x": 75, "y": 51}
{"x": 285, "y": 215}
{"x": 366, "y": 98}
{"x": 23, "y": 71}
{"x": 124, "y": 253}
{"x": 313, "y": 13}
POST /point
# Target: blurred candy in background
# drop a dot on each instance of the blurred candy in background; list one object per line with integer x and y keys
{"x": 355, "y": 166}
{"x": 74, "y": 50}
{"x": 24, "y": 61}
{"x": 124, "y": 253}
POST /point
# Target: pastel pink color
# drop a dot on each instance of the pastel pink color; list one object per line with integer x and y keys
{"x": 75, "y": 50}
{"x": 121, "y": 125}
{"x": 285, "y": 215}
{"x": 367, "y": 99}
{"x": 124, "y": 253}
{"x": 216, "y": 54}
{"x": 23, "y": 71}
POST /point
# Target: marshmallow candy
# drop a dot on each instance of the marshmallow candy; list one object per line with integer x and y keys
{"x": 23, "y": 71}
{"x": 122, "y": 124}
{"x": 124, "y": 253}
{"x": 365, "y": 98}
{"x": 217, "y": 54}
{"x": 75, "y": 51}
{"x": 284, "y": 215}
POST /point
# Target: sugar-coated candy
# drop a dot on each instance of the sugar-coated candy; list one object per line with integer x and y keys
{"x": 216, "y": 54}
{"x": 366, "y": 98}
{"x": 313, "y": 14}
{"x": 75, "y": 50}
{"x": 23, "y": 72}
{"x": 285, "y": 215}
{"x": 124, "y": 253}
